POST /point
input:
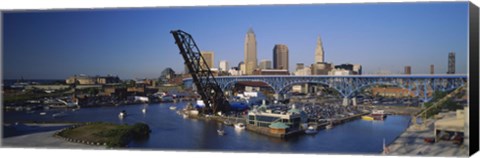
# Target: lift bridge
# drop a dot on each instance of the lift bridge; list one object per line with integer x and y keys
{"x": 422, "y": 86}
{"x": 208, "y": 88}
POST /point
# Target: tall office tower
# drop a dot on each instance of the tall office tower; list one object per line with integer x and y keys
{"x": 208, "y": 56}
{"x": 223, "y": 65}
{"x": 432, "y": 69}
{"x": 408, "y": 70}
{"x": 265, "y": 64}
{"x": 451, "y": 63}
{"x": 300, "y": 66}
{"x": 250, "y": 52}
{"x": 319, "y": 53}
{"x": 280, "y": 57}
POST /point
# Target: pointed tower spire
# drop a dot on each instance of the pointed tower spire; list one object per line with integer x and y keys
{"x": 319, "y": 53}
{"x": 250, "y": 30}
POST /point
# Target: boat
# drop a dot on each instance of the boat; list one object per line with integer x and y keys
{"x": 367, "y": 118}
{"x": 144, "y": 110}
{"x": 239, "y": 126}
{"x": 200, "y": 104}
{"x": 122, "y": 114}
{"x": 193, "y": 112}
{"x": 375, "y": 115}
{"x": 60, "y": 114}
{"x": 43, "y": 113}
{"x": 311, "y": 130}
{"x": 221, "y": 132}
{"x": 167, "y": 98}
{"x": 329, "y": 126}
{"x": 173, "y": 107}
{"x": 227, "y": 123}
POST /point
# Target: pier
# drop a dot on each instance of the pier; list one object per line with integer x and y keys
{"x": 267, "y": 131}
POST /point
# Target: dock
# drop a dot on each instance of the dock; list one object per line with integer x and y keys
{"x": 338, "y": 121}
{"x": 266, "y": 131}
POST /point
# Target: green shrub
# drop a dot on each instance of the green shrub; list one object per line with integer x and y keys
{"x": 140, "y": 130}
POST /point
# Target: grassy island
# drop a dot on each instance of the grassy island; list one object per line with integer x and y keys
{"x": 109, "y": 134}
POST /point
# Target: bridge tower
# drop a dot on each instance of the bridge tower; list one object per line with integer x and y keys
{"x": 208, "y": 88}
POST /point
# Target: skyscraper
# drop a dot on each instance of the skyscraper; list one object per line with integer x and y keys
{"x": 451, "y": 63}
{"x": 208, "y": 56}
{"x": 250, "y": 52}
{"x": 223, "y": 65}
{"x": 408, "y": 70}
{"x": 319, "y": 53}
{"x": 280, "y": 57}
{"x": 265, "y": 64}
{"x": 432, "y": 69}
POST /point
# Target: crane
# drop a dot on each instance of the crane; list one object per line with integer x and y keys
{"x": 208, "y": 88}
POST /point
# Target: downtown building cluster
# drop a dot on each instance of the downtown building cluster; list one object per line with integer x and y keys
{"x": 450, "y": 68}
{"x": 279, "y": 65}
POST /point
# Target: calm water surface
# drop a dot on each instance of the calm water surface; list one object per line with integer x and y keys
{"x": 171, "y": 131}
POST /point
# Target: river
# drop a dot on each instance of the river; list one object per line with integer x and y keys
{"x": 171, "y": 131}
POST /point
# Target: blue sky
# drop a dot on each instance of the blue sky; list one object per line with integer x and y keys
{"x": 136, "y": 43}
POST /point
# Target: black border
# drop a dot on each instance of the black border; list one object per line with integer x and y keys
{"x": 473, "y": 79}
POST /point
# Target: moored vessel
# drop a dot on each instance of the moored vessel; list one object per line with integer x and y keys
{"x": 239, "y": 126}
{"x": 311, "y": 130}
{"x": 375, "y": 115}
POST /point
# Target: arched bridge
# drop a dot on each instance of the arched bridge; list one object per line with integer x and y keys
{"x": 347, "y": 86}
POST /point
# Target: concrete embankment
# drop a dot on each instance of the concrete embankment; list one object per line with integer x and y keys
{"x": 411, "y": 142}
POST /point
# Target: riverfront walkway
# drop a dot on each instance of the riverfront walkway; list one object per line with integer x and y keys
{"x": 411, "y": 142}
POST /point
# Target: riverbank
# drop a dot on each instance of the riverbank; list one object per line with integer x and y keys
{"x": 411, "y": 142}
{"x": 44, "y": 140}
{"x": 106, "y": 134}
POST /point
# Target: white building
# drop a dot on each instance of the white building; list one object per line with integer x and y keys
{"x": 242, "y": 69}
{"x": 303, "y": 72}
{"x": 297, "y": 88}
{"x": 357, "y": 68}
{"x": 223, "y": 65}
{"x": 235, "y": 72}
{"x": 340, "y": 72}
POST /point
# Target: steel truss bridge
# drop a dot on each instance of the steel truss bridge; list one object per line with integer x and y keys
{"x": 348, "y": 86}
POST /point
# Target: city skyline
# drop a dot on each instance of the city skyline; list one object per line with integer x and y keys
{"x": 135, "y": 43}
